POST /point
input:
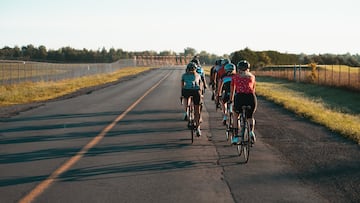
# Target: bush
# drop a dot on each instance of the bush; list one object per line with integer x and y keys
{"x": 312, "y": 77}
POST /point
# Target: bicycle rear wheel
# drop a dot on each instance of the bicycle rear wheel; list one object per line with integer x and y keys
{"x": 247, "y": 142}
{"x": 239, "y": 148}
{"x": 229, "y": 127}
{"x": 191, "y": 127}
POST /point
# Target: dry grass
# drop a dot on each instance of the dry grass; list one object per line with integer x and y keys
{"x": 40, "y": 91}
{"x": 314, "y": 108}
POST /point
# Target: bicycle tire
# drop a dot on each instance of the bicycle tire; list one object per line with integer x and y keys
{"x": 192, "y": 131}
{"x": 247, "y": 142}
{"x": 229, "y": 128}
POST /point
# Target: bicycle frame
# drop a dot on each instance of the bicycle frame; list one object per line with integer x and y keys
{"x": 191, "y": 117}
{"x": 229, "y": 123}
{"x": 244, "y": 146}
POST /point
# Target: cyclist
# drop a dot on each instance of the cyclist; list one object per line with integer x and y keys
{"x": 212, "y": 82}
{"x": 221, "y": 72}
{"x": 243, "y": 93}
{"x": 224, "y": 88}
{"x": 191, "y": 86}
{"x": 218, "y": 77}
{"x": 200, "y": 71}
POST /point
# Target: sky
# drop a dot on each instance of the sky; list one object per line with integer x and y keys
{"x": 215, "y": 26}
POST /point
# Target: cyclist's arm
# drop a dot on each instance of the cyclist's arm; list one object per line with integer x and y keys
{"x": 204, "y": 80}
{"x": 219, "y": 90}
{"x": 232, "y": 91}
{"x": 254, "y": 84}
{"x": 212, "y": 70}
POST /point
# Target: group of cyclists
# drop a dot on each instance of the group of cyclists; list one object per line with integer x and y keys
{"x": 193, "y": 83}
{"x": 231, "y": 83}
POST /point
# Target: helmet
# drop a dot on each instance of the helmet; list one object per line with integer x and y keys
{"x": 218, "y": 62}
{"x": 191, "y": 66}
{"x": 229, "y": 67}
{"x": 225, "y": 61}
{"x": 243, "y": 65}
{"x": 196, "y": 61}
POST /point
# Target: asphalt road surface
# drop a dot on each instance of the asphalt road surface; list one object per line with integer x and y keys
{"x": 127, "y": 142}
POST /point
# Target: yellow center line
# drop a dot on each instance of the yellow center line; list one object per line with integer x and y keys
{"x": 41, "y": 187}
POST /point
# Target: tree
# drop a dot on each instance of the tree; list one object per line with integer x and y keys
{"x": 42, "y": 53}
{"x": 189, "y": 51}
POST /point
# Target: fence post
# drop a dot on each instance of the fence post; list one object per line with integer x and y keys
{"x": 295, "y": 73}
{"x": 18, "y": 67}
{"x": 318, "y": 74}
{"x": 349, "y": 76}
{"x": 339, "y": 75}
{"x": 332, "y": 75}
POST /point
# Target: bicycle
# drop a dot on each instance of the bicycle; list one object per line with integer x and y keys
{"x": 244, "y": 146}
{"x": 190, "y": 116}
{"x": 229, "y": 132}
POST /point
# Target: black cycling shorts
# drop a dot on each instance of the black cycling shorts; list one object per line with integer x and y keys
{"x": 225, "y": 97}
{"x": 243, "y": 99}
{"x": 192, "y": 92}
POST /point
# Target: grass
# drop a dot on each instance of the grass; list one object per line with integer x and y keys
{"x": 340, "y": 68}
{"x": 40, "y": 91}
{"x": 336, "y": 109}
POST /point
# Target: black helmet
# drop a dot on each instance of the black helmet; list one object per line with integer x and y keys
{"x": 243, "y": 65}
{"x": 196, "y": 61}
{"x": 218, "y": 62}
{"x": 191, "y": 66}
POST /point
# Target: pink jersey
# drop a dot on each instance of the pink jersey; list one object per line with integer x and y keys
{"x": 244, "y": 83}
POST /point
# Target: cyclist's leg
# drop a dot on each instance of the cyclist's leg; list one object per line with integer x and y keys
{"x": 197, "y": 109}
{"x": 252, "y": 121}
{"x": 225, "y": 99}
{"x": 223, "y": 107}
{"x": 237, "y": 110}
{"x": 185, "y": 94}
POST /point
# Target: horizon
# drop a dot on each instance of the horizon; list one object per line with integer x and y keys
{"x": 217, "y": 27}
{"x": 158, "y": 52}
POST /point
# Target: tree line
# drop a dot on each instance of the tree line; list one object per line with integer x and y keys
{"x": 265, "y": 58}
{"x": 257, "y": 58}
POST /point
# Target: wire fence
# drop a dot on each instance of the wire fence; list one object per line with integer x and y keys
{"x": 12, "y": 72}
{"x": 329, "y": 75}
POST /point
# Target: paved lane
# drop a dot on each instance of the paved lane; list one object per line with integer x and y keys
{"x": 145, "y": 156}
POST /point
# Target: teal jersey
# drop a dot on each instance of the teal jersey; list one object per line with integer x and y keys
{"x": 191, "y": 80}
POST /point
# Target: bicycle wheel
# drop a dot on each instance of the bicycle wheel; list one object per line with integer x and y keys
{"x": 239, "y": 148}
{"x": 247, "y": 142}
{"x": 229, "y": 125}
{"x": 192, "y": 131}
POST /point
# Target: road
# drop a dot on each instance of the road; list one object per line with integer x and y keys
{"x": 127, "y": 143}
